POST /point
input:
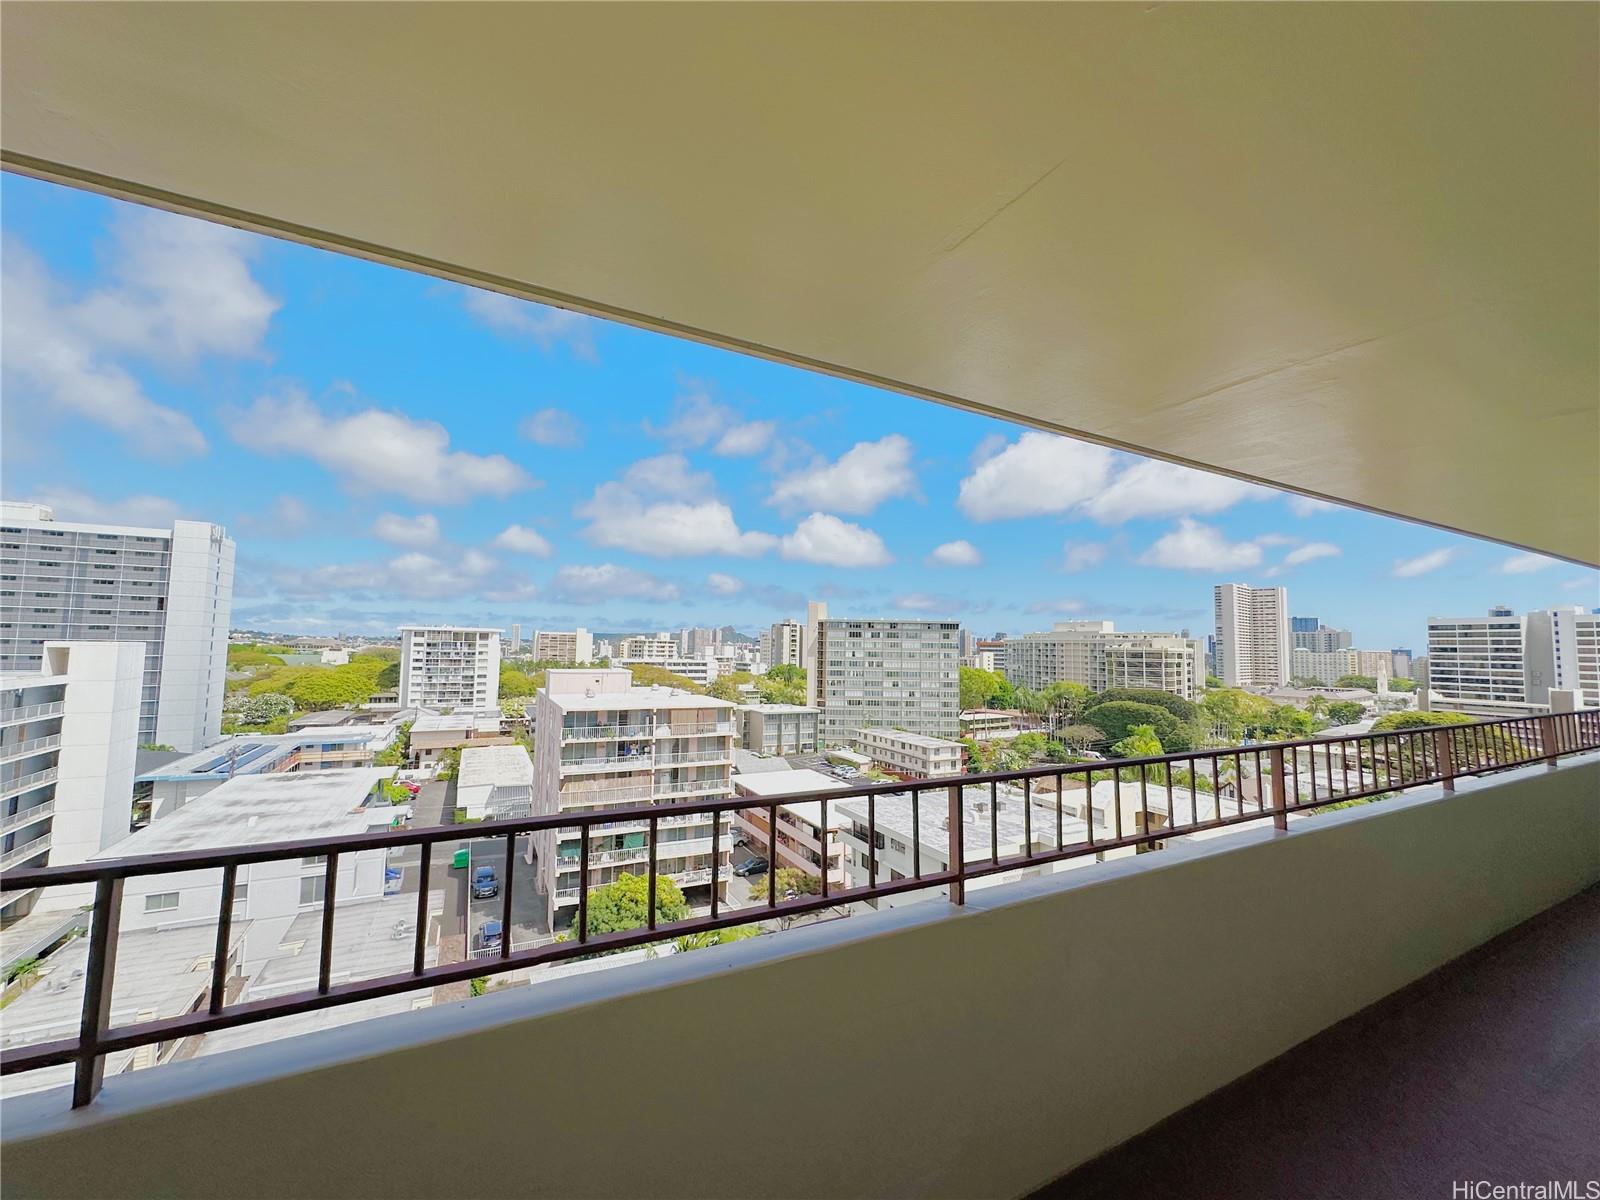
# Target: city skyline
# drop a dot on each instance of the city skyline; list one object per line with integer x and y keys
{"x": 387, "y": 448}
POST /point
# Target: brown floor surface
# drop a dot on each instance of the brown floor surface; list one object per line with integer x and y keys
{"x": 1487, "y": 1069}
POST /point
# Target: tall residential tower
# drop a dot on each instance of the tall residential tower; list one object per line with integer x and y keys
{"x": 1253, "y": 647}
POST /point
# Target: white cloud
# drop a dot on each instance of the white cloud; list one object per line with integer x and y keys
{"x": 70, "y": 504}
{"x": 923, "y": 602}
{"x": 822, "y": 538}
{"x": 1056, "y": 606}
{"x": 1036, "y": 475}
{"x": 552, "y": 427}
{"x": 960, "y": 553}
{"x": 412, "y": 576}
{"x": 668, "y": 475}
{"x": 420, "y": 531}
{"x": 1310, "y": 552}
{"x": 591, "y": 585}
{"x": 1191, "y": 546}
{"x": 1305, "y": 506}
{"x": 724, "y": 585}
{"x": 698, "y": 420}
{"x": 1080, "y": 556}
{"x": 663, "y": 508}
{"x": 1150, "y": 488}
{"x": 519, "y": 539}
{"x": 1525, "y": 564}
{"x": 541, "y": 324}
{"x": 375, "y": 450}
{"x": 864, "y": 477}
{"x": 1409, "y": 568}
{"x": 1572, "y": 585}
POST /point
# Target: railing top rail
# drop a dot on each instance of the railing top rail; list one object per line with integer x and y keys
{"x": 213, "y": 859}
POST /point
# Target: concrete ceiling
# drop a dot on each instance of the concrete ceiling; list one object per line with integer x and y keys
{"x": 1346, "y": 249}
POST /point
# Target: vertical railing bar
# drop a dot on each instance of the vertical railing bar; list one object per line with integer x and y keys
{"x": 872, "y": 840}
{"x": 1144, "y": 803}
{"x": 219, "y": 959}
{"x": 1216, "y": 785}
{"x": 1172, "y": 809}
{"x": 505, "y": 894}
{"x": 958, "y": 849}
{"x": 650, "y": 887}
{"x": 1344, "y": 764}
{"x": 1194, "y": 793}
{"x": 1311, "y": 770}
{"x": 1061, "y": 783}
{"x": 772, "y": 856}
{"x": 716, "y": 854}
{"x": 1027, "y": 816}
{"x": 1116, "y": 798}
{"x": 1088, "y": 808}
{"x": 98, "y": 983}
{"x": 994, "y": 823}
{"x": 583, "y": 882}
{"x": 822, "y": 839}
{"x": 419, "y": 956}
{"x": 330, "y": 887}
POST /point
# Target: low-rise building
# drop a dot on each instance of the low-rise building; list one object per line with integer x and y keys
{"x": 433, "y": 734}
{"x": 911, "y": 755}
{"x": 495, "y": 782}
{"x": 807, "y": 837}
{"x": 1094, "y": 654}
{"x": 777, "y": 728}
{"x": 993, "y": 724}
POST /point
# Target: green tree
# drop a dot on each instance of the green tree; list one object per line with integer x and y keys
{"x": 519, "y": 683}
{"x": 1184, "y": 710}
{"x": 1116, "y": 720}
{"x": 155, "y": 746}
{"x": 1345, "y": 712}
{"x": 1064, "y": 703}
{"x": 624, "y": 904}
{"x": 1213, "y": 682}
{"x": 398, "y": 752}
{"x": 787, "y": 673}
{"x": 1402, "y": 685}
{"x": 978, "y": 687}
{"x": 449, "y": 764}
{"x": 1141, "y": 742}
{"x": 726, "y": 687}
{"x": 793, "y": 879}
{"x": 1367, "y": 683}
{"x": 713, "y": 937}
{"x": 1419, "y": 720}
{"x": 649, "y": 675}
{"x": 388, "y": 679}
{"x": 1080, "y": 737}
{"x": 261, "y": 709}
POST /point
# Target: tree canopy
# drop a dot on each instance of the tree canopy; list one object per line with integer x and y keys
{"x": 624, "y": 904}
{"x": 985, "y": 689}
{"x": 1419, "y": 720}
{"x": 1345, "y": 712}
{"x": 1117, "y": 718}
{"x": 1183, "y": 710}
{"x": 1141, "y": 742}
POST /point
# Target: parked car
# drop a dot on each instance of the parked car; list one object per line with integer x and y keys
{"x": 413, "y": 788}
{"x": 752, "y": 866}
{"x": 484, "y": 883}
{"x": 489, "y": 935}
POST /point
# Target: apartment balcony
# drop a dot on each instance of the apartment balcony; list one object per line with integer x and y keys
{"x": 604, "y": 733}
{"x": 694, "y": 729}
{"x": 27, "y": 816}
{"x": 605, "y": 762}
{"x": 25, "y": 852}
{"x": 30, "y": 712}
{"x": 36, "y": 745}
{"x": 26, "y": 783}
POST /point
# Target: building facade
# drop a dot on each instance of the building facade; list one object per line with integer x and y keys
{"x": 601, "y": 742}
{"x": 911, "y": 755}
{"x": 1252, "y": 629}
{"x": 1321, "y": 639}
{"x": 1506, "y": 664}
{"x": 170, "y": 589}
{"x": 870, "y": 673}
{"x": 69, "y": 734}
{"x": 1325, "y": 666}
{"x": 449, "y": 666}
{"x": 807, "y": 838}
{"x": 1094, "y": 654}
{"x": 650, "y": 648}
{"x": 777, "y": 728}
{"x": 564, "y": 646}
{"x": 783, "y": 643}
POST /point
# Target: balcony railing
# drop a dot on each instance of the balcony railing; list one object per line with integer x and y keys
{"x": 603, "y": 733}
{"x": 21, "y": 854}
{"x": 693, "y": 729}
{"x": 27, "y": 816}
{"x": 31, "y": 746}
{"x": 30, "y": 712}
{"x": 23, "y": 783}
{"x": 1289, "y": 777}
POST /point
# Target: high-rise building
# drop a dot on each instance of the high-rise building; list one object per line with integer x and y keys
{"x": 563, "y": 646}
{"x": 1322, "y": 639}
{"x": 1303, "y": 624}
{"x": 171, "y": 589}
{"x": 1400, "y": 663}
{"x": 864, "y": 674}
{"x": 602, "y": 742}
{"x": 649, "y": 648}
{"x": 1094, "y": 654}
{"x": 1503, "y": 664}
{"x": 1252, "y": 635}
{"x": 991, "y": 654}
{"x": 449, "y": 666}
{"x": 783, "y": 643}
{"x": 516, "y": 639}
{"x": 1327, "y": 667}
{"x": 1374, "y": 662}
{"x": 69, "y": 732}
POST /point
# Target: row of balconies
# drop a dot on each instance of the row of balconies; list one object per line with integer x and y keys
{"x": 27, "y": 816}
{"x": 30, "y": 712}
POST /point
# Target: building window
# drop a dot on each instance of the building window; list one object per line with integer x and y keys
{"x": 312, "y": 890}
{"x": 161, "y": 902}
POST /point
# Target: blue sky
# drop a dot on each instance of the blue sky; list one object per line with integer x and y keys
{"x": 387, "y": 447}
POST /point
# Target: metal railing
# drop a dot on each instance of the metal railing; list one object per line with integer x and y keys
{"x": 32, "y": 746}
{"x": 601, "y": 733}
{"x": 1285, "y": 778}
{"x": 27, "y": 816}
{"x": 21, "y": 854}
{"x": 24, "y": 783}
{"x": 31, "y": 712}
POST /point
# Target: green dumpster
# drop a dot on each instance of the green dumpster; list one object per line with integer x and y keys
{"x": 460, "y": 858}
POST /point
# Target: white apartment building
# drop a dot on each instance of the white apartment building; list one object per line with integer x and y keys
{"x": 602, "y": 742}
{"x": 873, "y": 673}
{"x": 992, "y": 654}
{"x": 1253, "y": 647}
{"x": 170, "y": 589}
{"x": 1374, "y": 662}
{"x": 784, "y": 643}
{"x": 495, "y": 782}
{"x": 564, "y": 646}
{"x": 1094, "y": 654}
{"x": 911, "y": 755}
{"x": 1325, "y": 666}
{"x": 777, "y": 728}
{"x": 449, "y": 666}
{"x": 516, "y": 640}
{"x": 651, "y": 648}
{"x": 1322, "y": 639}
{"x": 69, "y": 734}
{"x": 700, "y": 671}
{"x": 1506, "y": 665}
{"x": 256, "y": 810}
{"x": 806, "y": 838}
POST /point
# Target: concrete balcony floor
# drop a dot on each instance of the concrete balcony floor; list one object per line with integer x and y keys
{"x": 1486, "y": 1069}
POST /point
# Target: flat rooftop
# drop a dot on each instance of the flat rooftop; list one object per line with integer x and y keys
{"x": 461, "y": 719}
{"x": 920, "y": 740}
{"x": 786, "y": 783}
{"x": 635, "y": 699}
{"x": 778, "y": 710}
{"x": 494, "y": 766}
{"x": 251, "y": 810}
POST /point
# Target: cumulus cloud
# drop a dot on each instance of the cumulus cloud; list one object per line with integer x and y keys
{"x": 1150, "y": 488}
{"x": 1034, "y": 476}
{"x": 1080, "y": 556}
{"x": 413, "y": 576}
{"x": 1309, "y": 552}
{"x": 1525, "y": 564}
{"x": 178, "y": 290}
{"x": 608, "y": 581}
{"x": 861, "y": 479}
{"x": 519, "y": 539}
{"x": 1066, "y": 605}
{"x": 552, "y": 427}
{"x": 1410, "y": 568}
{"x": 959, "y": 553}
{"x": 662, "y": 508}
{"x": 930, "y": 602}
{"x": 724, "y": 585}
{"x": 1191, "y": 546}
{"x": 698, "y": 420}
{"x": 71, "y": 504}
{"x": 1305, "y": 506}
{"x": 420, "y": 531}
{"x": 541, "y": 324}
{"x": 376, "y": 450}
{"x": 822, "y": 538}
